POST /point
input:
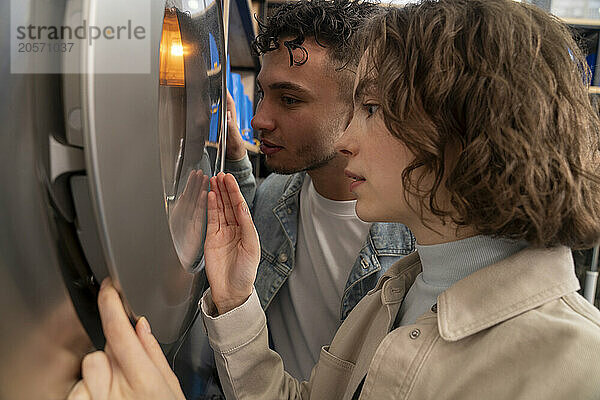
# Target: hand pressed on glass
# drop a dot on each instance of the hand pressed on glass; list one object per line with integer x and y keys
{"x": 232, "y": 250}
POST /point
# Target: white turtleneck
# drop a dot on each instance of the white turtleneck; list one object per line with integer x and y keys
{"x": 447, "y": 263}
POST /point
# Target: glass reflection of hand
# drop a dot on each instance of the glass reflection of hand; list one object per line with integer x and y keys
{"x": 188, "y": 217}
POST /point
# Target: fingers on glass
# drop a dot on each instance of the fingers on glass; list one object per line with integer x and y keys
{"x": 218, "y": 200}
{"x": 227, "y": 205}
{"x": 237, "y": 200}
{"x": 213, "y": 214}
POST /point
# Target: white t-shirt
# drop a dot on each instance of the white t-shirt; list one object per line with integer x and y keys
{"x": 305, "y": 314}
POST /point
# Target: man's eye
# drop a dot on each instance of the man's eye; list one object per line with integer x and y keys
{"x": 259, "y": 95}
{"x": 371, "y": 108}
{"x": 289, "y": 101}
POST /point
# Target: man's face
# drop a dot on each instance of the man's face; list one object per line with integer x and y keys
{"x": 302, "y": 112}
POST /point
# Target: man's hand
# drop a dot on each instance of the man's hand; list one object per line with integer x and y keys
{"x": 235, "y": 144}
{"x": 132, "y": 365}
{"x": 232, "y": 250}
{"x": 188, "y": 216}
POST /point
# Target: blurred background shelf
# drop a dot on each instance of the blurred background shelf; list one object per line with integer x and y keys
{"x": 241, "y": 34}
{"x": 594, "y": 90}
{"x": 582, "y": 22}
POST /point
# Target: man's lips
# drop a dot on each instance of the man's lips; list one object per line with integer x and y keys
{"x": 268, "y": 147}
{"x": 357, "y": 180}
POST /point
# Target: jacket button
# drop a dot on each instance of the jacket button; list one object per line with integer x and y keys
{"x": 289, "y": 210}
{"x": 434, "y": 308}
{"x": 282, "y": 257}
{"x": 415, "y": 333}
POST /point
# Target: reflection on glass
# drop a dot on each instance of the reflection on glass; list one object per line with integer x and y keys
{"x": 190, "y": 88}
{"x": 187, "y": 218}
{"x": 171, "y": 52}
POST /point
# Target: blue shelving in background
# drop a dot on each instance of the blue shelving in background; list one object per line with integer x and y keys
{"x": 243, "y": 104}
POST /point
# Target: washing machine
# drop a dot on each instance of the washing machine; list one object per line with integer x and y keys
{"x": 106, "y": 107}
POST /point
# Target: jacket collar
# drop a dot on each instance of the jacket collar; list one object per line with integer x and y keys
{"x": 494, "y": 294}
{"x": 286, "y": 209}
{"x": 396, "y": 281}
{"x": 293, "y": 186}
{"x": 391, "y": 239}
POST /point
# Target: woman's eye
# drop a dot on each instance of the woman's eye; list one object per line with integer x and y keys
{"x": 371, "y": 108}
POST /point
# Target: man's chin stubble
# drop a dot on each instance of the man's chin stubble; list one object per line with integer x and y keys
{"x": 315, "y": 164}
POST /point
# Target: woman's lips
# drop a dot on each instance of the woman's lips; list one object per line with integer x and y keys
{"x": 269, "y": 148}
{"x": 354, "y": 185}
{"x": 357, "y": 180}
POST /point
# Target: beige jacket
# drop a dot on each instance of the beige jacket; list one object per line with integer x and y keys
{"x": 514, "y": 330}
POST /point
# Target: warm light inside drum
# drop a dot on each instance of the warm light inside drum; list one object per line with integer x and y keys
{"x": 172, "y": 72}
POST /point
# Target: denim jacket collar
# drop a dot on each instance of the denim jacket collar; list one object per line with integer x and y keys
{"x": 293, "y": 188}
{"x": 286, "y": 209}
{"x": 384, "y": 245}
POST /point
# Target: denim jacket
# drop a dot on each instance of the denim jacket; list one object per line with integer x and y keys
{"x": 275, "y": 207}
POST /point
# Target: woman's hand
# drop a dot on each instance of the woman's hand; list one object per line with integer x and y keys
{"x": 132, "y": 365}
{"x": 232, "y": 249}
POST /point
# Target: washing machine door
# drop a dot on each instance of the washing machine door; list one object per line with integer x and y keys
{"x": 104, "y": 171}
{"x": 143, "y": 116}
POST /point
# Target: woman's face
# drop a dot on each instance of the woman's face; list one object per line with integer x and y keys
{"x": 376, "y": 160}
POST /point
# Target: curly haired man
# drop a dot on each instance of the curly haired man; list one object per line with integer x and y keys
{"x": 318, "y": 258}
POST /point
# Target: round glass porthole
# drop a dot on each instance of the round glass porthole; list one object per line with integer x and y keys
{"x": 190, "y": 88}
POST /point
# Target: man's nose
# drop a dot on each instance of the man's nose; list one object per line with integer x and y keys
{"x": 262, "y": 120}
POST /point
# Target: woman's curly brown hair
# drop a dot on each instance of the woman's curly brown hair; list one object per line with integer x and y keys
{"x": 490, "y": 97}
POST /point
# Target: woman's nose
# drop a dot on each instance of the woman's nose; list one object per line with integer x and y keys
{"x": 347, "y": 144}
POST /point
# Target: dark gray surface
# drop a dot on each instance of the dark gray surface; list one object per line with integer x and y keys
{"x": 42, "y": 339}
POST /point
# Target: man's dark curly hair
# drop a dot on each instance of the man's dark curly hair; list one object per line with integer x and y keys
{"x": 332, "y": 23}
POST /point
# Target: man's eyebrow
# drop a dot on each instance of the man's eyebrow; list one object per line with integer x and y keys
{"x": 288, "y": 86}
